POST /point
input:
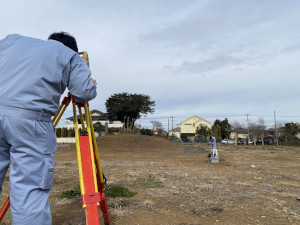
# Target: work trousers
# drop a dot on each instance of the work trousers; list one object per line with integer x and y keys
{"x": 213, "y": 146}
{"x": 28, "y": 146}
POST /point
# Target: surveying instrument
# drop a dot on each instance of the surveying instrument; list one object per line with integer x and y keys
{"x": 213, "y": 157}
{"x": 92, "y": 185}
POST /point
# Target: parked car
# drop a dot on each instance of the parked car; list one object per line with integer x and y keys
{"x": 227, "y": 141}
{"x": 266, "y": 142}
{"x": 240, "y": 142}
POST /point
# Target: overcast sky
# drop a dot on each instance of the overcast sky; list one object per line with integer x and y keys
{"x": 210, "y": 58}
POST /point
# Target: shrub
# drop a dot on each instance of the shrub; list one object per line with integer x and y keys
{"x": 73, "y": 193}
{"x": 118, "y": 191}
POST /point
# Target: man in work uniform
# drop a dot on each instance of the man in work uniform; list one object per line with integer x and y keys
{"x": 212, "y": 142}
{"x": 33, "y": 75}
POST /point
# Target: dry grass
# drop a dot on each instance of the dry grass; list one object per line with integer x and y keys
{"x": 250, "y": 184}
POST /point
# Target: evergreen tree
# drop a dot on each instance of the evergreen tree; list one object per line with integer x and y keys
{"x": 64, "y": 132}
{"x": 58, "y": 132}
{"x": 290, "y": 131}
{"x": 221, "y": 128}
{"x": 203, "y": 132}
{"x": 128, "y": 107}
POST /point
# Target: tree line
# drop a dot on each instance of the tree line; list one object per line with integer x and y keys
{"x": 127, "y": 108}
{"x": 65, "y": 132}
{"x": 221, "y": 129}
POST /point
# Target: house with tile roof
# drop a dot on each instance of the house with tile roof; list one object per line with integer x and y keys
{"x": 97, "y": 117}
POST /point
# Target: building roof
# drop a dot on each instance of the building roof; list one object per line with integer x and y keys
{"x": 199, "y": 118}
{"x": 177, "y": 129}
{"x": 102, "y": 116}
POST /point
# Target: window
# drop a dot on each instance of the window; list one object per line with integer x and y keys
{"x": 187, "y": 126}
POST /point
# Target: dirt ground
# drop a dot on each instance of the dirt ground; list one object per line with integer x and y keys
{"x": 250, "y": 184}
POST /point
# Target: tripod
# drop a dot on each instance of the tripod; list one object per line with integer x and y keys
{"x": 92, "y": 185}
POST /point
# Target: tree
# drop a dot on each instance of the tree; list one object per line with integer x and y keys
{"x": 290, "y": 131}
{"x": 184, "y": 137}
{"x": 254, "y": 130}
{"x": 203, "y": 132}
{"x": 224, "y": 127}
{"x": 64, "y": 132}
{"x": 98, "y": 127}
{"x": 58, "y": 132}
{"x": 71, "y": 133}
{"x": 128, "y": 107}
{"x": 216, "y": 131}
{"x": 261, "y": 129}
{"x": 157, "y": 126}
{"x": 146, "y": 132}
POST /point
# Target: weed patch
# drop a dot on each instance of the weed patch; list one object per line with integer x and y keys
{"x": 73, "y": 193}
{"x": 148, "y": 182}
{"x": 118, "y": 191}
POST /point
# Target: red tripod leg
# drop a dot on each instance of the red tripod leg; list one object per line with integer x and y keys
{"x": 4, "y": 209}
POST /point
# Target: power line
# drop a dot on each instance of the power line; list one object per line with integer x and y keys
{"x": 218, "y": 116}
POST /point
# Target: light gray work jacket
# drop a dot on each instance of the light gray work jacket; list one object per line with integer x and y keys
{"x": 34, "y": 74}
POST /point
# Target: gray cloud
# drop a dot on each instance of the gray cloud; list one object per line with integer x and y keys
{"x": 217, "y": 19}
{"x": 216, "y": 63}
{"x": 202, "y": 57}
{"x": 226, "y": 34}
{"x": 291, "y": 49}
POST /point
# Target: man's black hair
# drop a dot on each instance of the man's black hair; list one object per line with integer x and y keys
{"x": 65, "y": 38}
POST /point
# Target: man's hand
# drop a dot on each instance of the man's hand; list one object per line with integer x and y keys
{"x": 94, "y": 81}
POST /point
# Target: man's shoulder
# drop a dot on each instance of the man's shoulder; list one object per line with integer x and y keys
{"x": 39, "y": 42}
{"x": 18, "y": 39}
{"x": 60, "y": 47}
{"x": 19, "y": 36}
{"x": 11, "y": 37}
{"x": 48, "y": 48}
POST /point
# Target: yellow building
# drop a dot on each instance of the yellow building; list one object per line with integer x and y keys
{"x": 234, "y": 135}
{"x": 190, "y": 125}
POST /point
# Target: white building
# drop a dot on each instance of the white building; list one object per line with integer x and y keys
{"x": 175, "y": 132}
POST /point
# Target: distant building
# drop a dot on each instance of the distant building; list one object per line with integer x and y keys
{"x": 233, "y": 135}
{"x": 272, "y": 132}
{"x": 98, "y": 116}
{"x": 239, "y": 135}
{"x": 159, "y": 131}
{"x": 190, "y": 125}
{"x": 175, "y": 132}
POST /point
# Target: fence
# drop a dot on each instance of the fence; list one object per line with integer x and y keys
{"x": 66, "y": 140}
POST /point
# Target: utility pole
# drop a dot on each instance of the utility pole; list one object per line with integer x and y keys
{"x": 168, "y": 127}
{"x": 276, "y": 134}
{"x": 172, "y": 125}
{"x": 248, "y": 128}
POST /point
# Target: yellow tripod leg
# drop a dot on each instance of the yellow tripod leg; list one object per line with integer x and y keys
{"x": 58, "y": 112}
{"x": 78, "y": 150}
{"x": 96, "y": 148}
{"x": 88, "y": 126}
{"x": 64, "y": 107}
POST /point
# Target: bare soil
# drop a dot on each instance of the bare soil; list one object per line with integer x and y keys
{"x": 250, "y": 184}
